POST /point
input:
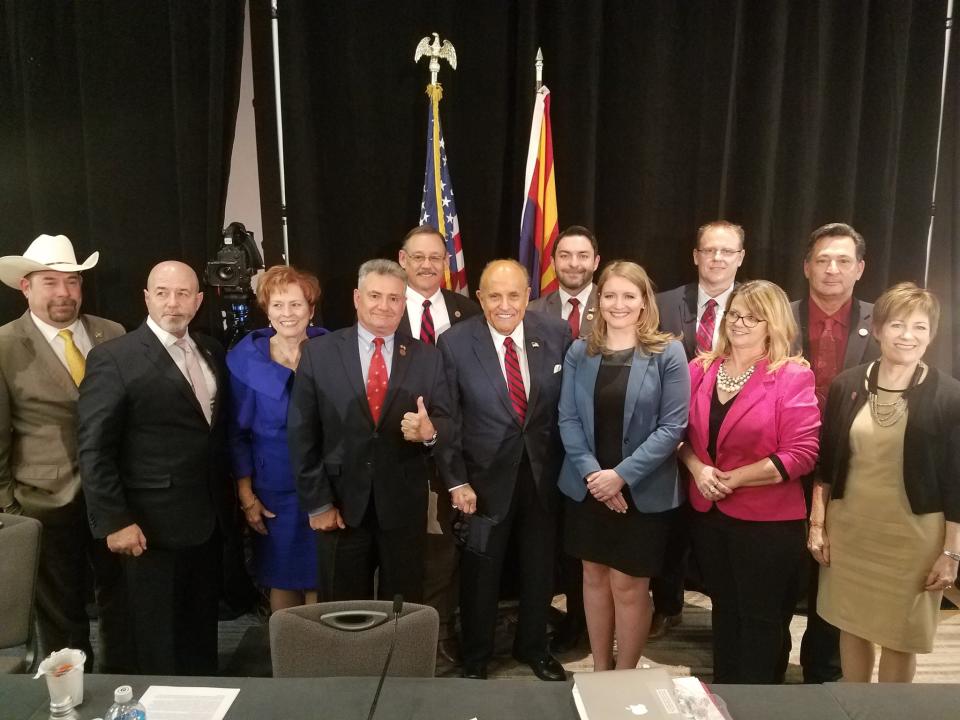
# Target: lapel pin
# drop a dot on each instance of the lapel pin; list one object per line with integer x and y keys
{"x": 98, "y": 335}
{"x": 590, "y": 314}
{"x": 403, "y": 351}
{"x": 853, "y": 395}
{"x": 862, "y": 332}
{"x": 534, "y": 344}
{"x": 456, "y": 313}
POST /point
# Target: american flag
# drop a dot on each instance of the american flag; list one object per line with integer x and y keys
{"x": 438, "y": 208}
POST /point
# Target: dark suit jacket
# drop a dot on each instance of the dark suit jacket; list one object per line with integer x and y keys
{"x": 38, "y": 417}
{"x": 493, "y": 439}
{"x": 861, "y": 345}
{"x": 339, "y": 457}
{"x": 678, "y": 315}
{"x": 147, "y": 454}
{"x": 550, "y": 304}
{"x": 459, "y": 307}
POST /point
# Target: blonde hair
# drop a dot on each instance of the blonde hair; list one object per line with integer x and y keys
{"x": 901, "y": 301}
{"x": 767, "y": 301}
{"x": 650, "y": 339}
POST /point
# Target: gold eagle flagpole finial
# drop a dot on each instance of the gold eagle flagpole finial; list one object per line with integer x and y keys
{"x": 436, "y": 52}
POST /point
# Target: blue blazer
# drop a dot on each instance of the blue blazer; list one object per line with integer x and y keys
{"x": 654, "y": 420}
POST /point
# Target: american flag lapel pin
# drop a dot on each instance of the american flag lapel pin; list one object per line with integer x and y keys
{"x": 862, "y": 332}
{"x": 534, "y": 344}
{"x": 403, "y": 351}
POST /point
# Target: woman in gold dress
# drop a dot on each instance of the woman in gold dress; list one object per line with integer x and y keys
{"x": 885, "y": 517}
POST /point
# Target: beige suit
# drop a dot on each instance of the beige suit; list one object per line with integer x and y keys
{"x": 40, "y": 477}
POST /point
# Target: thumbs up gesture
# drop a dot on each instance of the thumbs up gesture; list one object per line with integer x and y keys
{"x": 416, "y": 426}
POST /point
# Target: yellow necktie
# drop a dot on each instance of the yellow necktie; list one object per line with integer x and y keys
{"x": 76, "y": 363}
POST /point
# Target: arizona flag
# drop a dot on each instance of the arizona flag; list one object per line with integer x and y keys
{"x": 538, "y": 224}
{"x": 438, "y": 208}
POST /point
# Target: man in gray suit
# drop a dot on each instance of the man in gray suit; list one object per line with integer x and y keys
{"x": 692, "y": 312}
{"x": 834, "y": 335}
{"x": 42, "y": 360}
{"x": 576, "y": 256}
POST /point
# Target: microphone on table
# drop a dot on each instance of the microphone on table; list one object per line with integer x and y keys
{"x": 397, "y": 609}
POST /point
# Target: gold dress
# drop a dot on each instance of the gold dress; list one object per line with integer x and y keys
{"x": 880, "y": 551}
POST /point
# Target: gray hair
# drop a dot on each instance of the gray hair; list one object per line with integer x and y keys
{"x": 381, "y": 266}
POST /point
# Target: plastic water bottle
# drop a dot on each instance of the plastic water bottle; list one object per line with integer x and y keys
{"x": 124, "y": 707}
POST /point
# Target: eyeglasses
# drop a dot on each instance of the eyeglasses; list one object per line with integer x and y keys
{"x": 725, "y": 253}
{"x": 749, "y": 321}
{"x": 420, "y": 259}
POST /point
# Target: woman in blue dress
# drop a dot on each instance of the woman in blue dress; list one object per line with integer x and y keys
{"x": 261, "y": 368}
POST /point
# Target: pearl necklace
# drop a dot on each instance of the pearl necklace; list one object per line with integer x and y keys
{"x": 732, "y": 385}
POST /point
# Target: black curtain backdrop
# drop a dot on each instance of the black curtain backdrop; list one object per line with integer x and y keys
{"x": 780, "y": 116}
{"x": 116, "y": 125}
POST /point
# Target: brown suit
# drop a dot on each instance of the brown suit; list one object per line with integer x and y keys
{"x": 40, "y": 477}
{"x": 550, "y": 304}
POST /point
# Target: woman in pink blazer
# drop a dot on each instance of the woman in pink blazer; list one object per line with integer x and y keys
{"x": 751, "y": 436}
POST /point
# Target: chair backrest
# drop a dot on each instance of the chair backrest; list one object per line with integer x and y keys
{"x": 19, "y": 558}
{"x": 303, "y": 646}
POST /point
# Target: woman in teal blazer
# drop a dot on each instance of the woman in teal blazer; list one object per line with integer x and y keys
{"x": 623, "y": 411}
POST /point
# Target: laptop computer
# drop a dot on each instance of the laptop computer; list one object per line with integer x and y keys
{"x": 626, "y": 695}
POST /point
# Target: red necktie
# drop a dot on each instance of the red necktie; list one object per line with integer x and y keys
{"x": 825, "y": 368}
{"x": 574, "y": 318}
{"x": 518, "y": 395}
{"x": 707, "y": 323}
{"x": 377, "y": 380}
{"x": 427, "y": 332}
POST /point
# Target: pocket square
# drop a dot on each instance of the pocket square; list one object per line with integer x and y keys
{"x": 557, "y": 368}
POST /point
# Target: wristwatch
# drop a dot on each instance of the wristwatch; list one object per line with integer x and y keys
{"x": 432, "y": 441}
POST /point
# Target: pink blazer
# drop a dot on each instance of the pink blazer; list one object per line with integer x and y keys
{"x": 774, "y": 413}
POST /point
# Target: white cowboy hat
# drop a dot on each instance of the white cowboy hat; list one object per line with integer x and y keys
{"x": 47, "y": 252}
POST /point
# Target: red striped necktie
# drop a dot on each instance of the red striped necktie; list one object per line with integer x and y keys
{"x": 427, "y": 332}
{"x": 574, "y": 318}
{"x": 707, "y": 324}
{"x": 518, "y": 395}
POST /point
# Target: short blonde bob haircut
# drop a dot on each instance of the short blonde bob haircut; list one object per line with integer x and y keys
{"x": 650, "y": 339}
{"x": 766, "y": 301}
{"x": 901, "y": 301}
{"x": 277, "y": 278}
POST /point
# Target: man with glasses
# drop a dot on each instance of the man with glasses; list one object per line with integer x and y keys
{"x": 692, "y": 312}
{"x": 834, "y": 335}
{"x": 430, "y": 310}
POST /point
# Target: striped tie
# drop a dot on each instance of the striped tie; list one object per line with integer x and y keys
{"x": 518, "y": 395}
{"x": 707, "y": 323}
{"x": 427, "y": 332}
{"x": 573, "y": 320}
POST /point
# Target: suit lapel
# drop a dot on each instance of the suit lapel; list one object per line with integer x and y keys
{"x": 856, "y": 343}
{"x": 96, "y": 336}
{"x": 536, "y": 359}
{"x": 398, "y": 370}
{"x": 688, "y": 318}
{"x": 167, "y": 368}
{"x": 405, "y": 323}
{"x": 217, "y": 377}
{"x": 452, "y": 301}
{"x": 638, "y": 369}
{"x": 752, "y": 393}
{"x": 589, "y": 313}
{"x": 37, "y": 345}
{"x": 803, "y": 311}
{"x": 350, "y": 357}
{"x": 490, "y": 362}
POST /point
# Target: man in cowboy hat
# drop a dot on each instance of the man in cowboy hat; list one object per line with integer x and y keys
{"x": 42, "y": 359}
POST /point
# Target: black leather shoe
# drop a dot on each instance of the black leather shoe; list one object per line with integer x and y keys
{"x": 448, "y": 651}
{"x": 546, "y": 668}
{"x": 474, "y": 672}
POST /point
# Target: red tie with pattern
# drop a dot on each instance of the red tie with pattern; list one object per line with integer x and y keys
{"x": 427, "y": 332}
{"x": 825, "y": 368}
{"x": 377, "y": 380}
{"x": 707, "y": 323}
{"x": 574, "y": 318}
{"x": 518, "y": 395}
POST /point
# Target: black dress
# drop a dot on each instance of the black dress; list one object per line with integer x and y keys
{"x": 631, "y": 542}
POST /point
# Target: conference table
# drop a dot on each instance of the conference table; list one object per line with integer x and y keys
{"x": 22, "y": 698}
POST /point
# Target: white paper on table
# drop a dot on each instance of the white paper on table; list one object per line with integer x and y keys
{"x": 164, "y": 702}
{"x": 693, "y": 688}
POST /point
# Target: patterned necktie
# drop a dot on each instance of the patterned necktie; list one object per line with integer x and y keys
{"x": 76, "y": 363}
{"x": 377, "y": 380}
{"x": 825, "y": 367}
{"x": 574, "y": 317}
{"x": 707, "y": 324}
{"x": 427, "y": 332}
{"x": 518, "y": 395}
{"x": 197, "y": 380}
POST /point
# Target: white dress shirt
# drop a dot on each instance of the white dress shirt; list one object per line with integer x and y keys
{"x": 583, "y": 296}
{"x": 702, "y": 299}
{"x": 168, "y": 340}
{"x": 80, "y": 338}
{"x": 521, "y": 349}
{"x": 438, "y": 311}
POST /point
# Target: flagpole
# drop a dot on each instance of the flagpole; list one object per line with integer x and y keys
{"x": 539, "y": 66}
{"x": 275, "y": 42}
